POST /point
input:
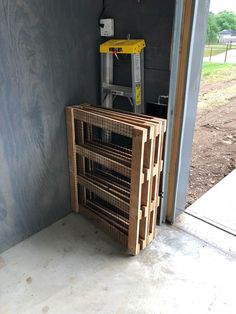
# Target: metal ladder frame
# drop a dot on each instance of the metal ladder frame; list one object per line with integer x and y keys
{"x": 109, "y": 91}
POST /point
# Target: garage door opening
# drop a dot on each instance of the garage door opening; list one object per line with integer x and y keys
{"x": 214, "y": 145}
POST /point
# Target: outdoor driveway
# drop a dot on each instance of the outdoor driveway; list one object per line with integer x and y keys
{"x": 220, "y": 58}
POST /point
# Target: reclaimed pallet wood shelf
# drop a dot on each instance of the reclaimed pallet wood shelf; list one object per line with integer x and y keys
{"x": 115, "y": 161}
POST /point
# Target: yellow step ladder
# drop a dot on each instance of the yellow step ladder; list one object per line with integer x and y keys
{"x": 109, "y": 91}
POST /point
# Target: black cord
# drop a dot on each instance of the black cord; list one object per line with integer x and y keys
{"x": 101, "y": 14}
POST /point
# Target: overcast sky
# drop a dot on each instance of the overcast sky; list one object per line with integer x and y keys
{"x": 223, "y": 5}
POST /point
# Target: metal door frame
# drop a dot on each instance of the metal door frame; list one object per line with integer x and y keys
{"x": 186, "y": 62}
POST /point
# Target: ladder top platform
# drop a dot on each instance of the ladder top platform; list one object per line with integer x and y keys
{"x": 123, "y": 46}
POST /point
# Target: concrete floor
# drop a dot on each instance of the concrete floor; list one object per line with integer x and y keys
{"x": 71, "y": 267}
{"x": 218, "y": 205}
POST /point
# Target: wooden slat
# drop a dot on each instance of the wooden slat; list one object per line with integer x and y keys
{"x": 121, "y": 182}
{"x": 89, "y": 133}
{"x": 156, "y": 184}
{"x": 133, "y": 120}
{"x": 72, "y": 158}
{"x": 158, "y": 176}
{"x": 116, "y": 219}
{"x": 154, "y": 187}
{"x": 104, "y": 161}
{"x": 148, "y": 159}
{"x": 122, "y": 188}
{"x": 103, "y": 193}
{"x": 107, "y": 185}
{"x": 120, "y": 192}
{"x": 124, "y": 150}
{"x": 117, "y": 152}
{"x": 81, "y": 159}
{"x": 139, "y": 116}
{"x": 135, "y": 193}
{"x": 109, "y": 154}
{"x": 109, "y": 124}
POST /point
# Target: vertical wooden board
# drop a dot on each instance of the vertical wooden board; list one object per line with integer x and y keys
{"x": 160, "y": 170}
{"x": 89, "y": 130}
{"x": 154, "y": 152}
{"x": 136, "y": 188}
{"x": 143, "y": 232}
{"x": 179, "y": 105}
{"x": 81, "y": 161}
{"x": 146, "y": 187}
{"x": 156, "y": 182}
{"x": 72, "y": 158}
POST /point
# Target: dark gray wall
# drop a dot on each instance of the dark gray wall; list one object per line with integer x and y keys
{"x": 48, "y": 59}
{"x": 151, "y": 20}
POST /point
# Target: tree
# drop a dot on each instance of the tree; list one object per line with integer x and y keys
{"x": 212, "y": 29}
{"x": 225, "y": 20}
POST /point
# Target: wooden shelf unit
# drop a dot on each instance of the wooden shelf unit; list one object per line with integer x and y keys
{"x": 114, "y": 183}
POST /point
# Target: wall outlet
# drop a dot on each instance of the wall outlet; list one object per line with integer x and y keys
{"x": 108, "y": 29}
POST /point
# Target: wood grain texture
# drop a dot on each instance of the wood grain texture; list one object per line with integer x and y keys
{"x": 47, "y": 62}
{"x": 179, "y": 104}
{"x": 71, "y": 141}
{"x": 135, "y": 193}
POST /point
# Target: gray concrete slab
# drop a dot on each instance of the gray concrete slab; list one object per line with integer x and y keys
{"x": 218, "y": 205}
{"x": 209, "y": 234}
{"x": 71, "y": 267}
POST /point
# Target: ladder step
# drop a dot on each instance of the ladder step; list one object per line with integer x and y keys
{"x": 118, "y": 90}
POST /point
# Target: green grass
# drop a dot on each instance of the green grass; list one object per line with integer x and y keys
{"x": 218, "y": 71}
{"x": 214, "y": 52}
{"x": 218, "y": 84}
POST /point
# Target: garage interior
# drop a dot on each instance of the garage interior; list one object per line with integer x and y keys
{"x": 50, "y": 59}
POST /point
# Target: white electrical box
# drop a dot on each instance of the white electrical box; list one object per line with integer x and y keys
{"x": 107, "y": 28}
